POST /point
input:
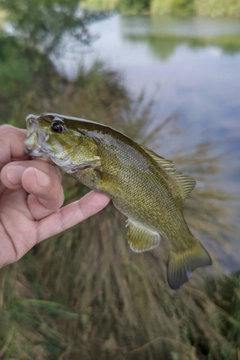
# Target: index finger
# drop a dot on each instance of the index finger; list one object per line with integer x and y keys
{"x": 71, "y": 214}
{"x": 11, "y": 144}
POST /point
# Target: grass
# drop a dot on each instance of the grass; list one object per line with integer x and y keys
{"x": 84, "y": 294}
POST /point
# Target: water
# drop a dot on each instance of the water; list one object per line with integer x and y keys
{"x": 200, "y": 83}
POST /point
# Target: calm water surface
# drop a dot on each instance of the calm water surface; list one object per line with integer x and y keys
{"x": 199, "y": 83}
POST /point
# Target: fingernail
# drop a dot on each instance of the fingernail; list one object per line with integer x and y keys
{"x": 42, "y": 179}
{"x": 14, "y": 174}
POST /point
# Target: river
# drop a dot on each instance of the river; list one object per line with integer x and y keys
{"x": 199, "y": 82}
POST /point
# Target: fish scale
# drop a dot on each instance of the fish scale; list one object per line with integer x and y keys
{"x": 142, "y": 185}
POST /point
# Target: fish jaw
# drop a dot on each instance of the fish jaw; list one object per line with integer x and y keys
{"x": 36, "y": 143}
{"x": 41, "y": 143}
{"x": 36, "y": 138}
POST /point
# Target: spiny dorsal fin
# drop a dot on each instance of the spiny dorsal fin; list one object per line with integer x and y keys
{"x": 184, "y": 182}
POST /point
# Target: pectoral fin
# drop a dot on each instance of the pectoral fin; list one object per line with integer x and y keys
{"x": 141, "y": 238}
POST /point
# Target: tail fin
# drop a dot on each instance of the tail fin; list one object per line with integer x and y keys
{"x": 181, "y": 264}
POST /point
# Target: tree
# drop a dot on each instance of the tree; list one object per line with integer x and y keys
{"x": 43, "y": 22}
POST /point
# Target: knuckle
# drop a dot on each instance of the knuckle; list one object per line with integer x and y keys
{"x": 5, "y": 129}
{"x": 55, "y": 190}
{"x": 58, "y": 173}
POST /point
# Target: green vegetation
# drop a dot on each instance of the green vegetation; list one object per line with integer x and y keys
{"x": 213, "y": 8}
{"x": 43, "y": 22}
{"x": 100, "y": 4}
{"x": 173, "y": 7}
{"x": 84, "y": 294}
{"x": 164, "y": 45}
{"x": 229, "y": 8}
{"x": 134, "y": 6}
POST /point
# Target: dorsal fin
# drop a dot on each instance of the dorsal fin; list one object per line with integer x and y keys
{"x": 184, "y": 182}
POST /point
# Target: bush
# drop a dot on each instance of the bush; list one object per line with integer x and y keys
{"x": 173, "y": 7}
{"x": 183, "y": 7}
{"x": 134, "y": 6}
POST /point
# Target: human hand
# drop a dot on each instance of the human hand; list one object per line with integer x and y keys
{"x": 31, "y": 197}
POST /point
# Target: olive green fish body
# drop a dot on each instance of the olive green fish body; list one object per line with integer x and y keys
{"x": 142, "y": 185}
{"x": 140, "y": 189}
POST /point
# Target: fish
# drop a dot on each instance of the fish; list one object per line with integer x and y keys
{"x": 142, "y": 185}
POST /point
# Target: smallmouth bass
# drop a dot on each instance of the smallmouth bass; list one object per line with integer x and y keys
{"x": 142, "y": 185}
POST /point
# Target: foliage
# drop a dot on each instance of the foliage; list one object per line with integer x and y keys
{"x": 21, "y": 68}
{"x": 173, "y": 7}
{"x": 160, "y": 7}
{"x": 100, "y": 4}
{"x": 43, "y": 22}
{"x": 134, "y": 6}
{"x": 230, "y": 8}
{"x": 127, "y": 7}
{"x": 38, "y": 28}
{"x": 225, "y": 293}
{"x": 211, "y": 8}
{"x": 183, "y": 8}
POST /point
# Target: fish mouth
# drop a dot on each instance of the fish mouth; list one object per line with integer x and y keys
{"x": 36, "y": 138}
{"x": 36, "y": 144}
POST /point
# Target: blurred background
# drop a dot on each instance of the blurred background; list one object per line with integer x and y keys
{"x": 166, "y": 73}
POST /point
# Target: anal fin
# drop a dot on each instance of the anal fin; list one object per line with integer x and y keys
{"x": 141, "y": 238}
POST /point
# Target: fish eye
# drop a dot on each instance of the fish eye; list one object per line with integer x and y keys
{"x": 57, "y": 127}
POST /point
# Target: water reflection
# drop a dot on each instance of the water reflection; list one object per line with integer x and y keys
{"x": 185, "y": 74}
{"x": 184, "y": 27}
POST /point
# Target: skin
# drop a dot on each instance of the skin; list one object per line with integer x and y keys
{"x": 31, "y": 197}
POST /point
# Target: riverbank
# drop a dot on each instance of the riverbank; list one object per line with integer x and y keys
{"x": 214, "y": 8}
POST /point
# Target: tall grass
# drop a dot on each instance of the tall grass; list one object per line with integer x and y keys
{"x": 84, "y": 294}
